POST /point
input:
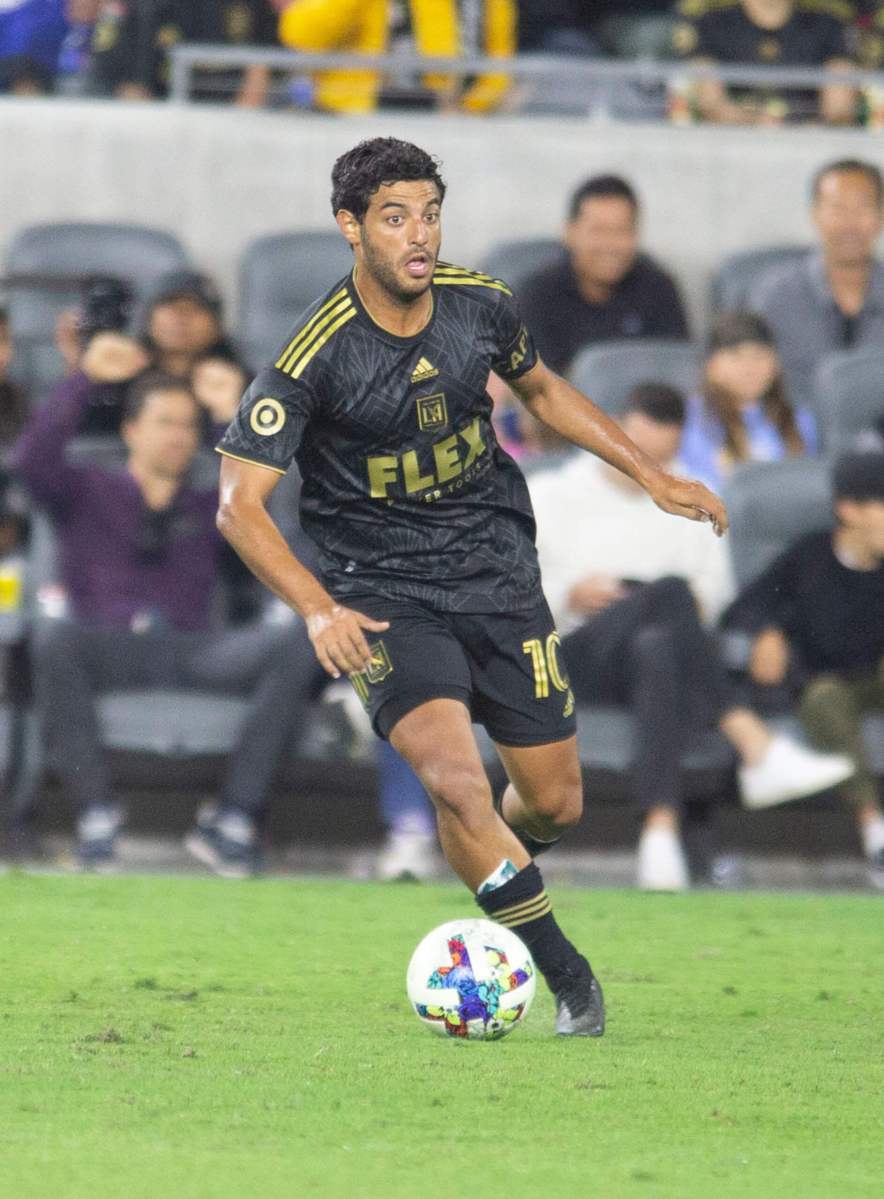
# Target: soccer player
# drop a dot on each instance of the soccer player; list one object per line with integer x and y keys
{"x": 430, "y": 596}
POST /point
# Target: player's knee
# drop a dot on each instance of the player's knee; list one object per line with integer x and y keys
{"x": 560, "y": 804}
{"x": 459, "y": 789}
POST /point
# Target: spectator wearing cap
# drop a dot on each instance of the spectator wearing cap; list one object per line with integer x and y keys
{"x": 833, "y": 298}
{"x": 815, "y": 618}
{"x": 604, "y": 288}
{"x": 741, "y": 413}
{"x": 181, "y": 329}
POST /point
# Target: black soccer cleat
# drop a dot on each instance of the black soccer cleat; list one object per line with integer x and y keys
{"x": 531, "y": 844}
{"x": 580, "y": 1005}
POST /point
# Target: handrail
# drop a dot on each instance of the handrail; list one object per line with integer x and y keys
{"x": 591, "y": 71}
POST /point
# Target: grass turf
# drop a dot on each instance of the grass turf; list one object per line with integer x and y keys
{"x": 210, "y": 1040}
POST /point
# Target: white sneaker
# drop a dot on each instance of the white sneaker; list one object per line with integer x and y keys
{"x": 408, "y": 856}
{"x": 660, "y": 861}
{"x": 789, "y": 771}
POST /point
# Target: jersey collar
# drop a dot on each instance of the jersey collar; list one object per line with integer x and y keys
{"x": 367, "y": 319}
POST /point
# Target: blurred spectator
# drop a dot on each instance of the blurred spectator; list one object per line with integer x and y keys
{"x": 605, "y": 288}
{"x": 446, "y": 28}
{"x": 410, "y": 850}
{"x": 75, "y": 54}
{"x": 132, "y": 40}
{"x": 31, "y": 34}
{"x": 182, "y": 326}
{"x": 816, "y": 618}
{"x": 13, "y": 410}
{"x": 833, "y": 299}
{"x": 13, "y": 402}
{"x": 139, "y": 556}
{"x": 742, "y": 414}
{"x": 768, "y": 33}
{"x": 556, "y": 27}
{"x": 626, "y": 585}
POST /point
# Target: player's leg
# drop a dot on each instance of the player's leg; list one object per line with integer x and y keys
{"x": 436, "y": 738}
{"x": 544, "y": 795}
{"x": 437, "y": 741}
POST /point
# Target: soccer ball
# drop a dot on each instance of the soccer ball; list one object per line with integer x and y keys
{"x": 471, "y": 979}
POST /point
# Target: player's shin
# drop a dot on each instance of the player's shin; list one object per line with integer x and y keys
{"x": 517, "y": 899}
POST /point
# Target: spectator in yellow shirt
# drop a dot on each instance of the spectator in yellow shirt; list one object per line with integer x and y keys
{"x": 441, "y": 28}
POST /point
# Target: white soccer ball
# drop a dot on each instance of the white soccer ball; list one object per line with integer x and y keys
{"x": 472, "y": 979}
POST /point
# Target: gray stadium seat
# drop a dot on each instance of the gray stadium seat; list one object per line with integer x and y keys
{"x": 740, "y": 273}
{"x": 281, "y": 275}
{"x": 849, "y": 391}
{"x": 513, "y": 261}
{"x": 607, "y": 372}
{"x": 59, "y": 251}
{"x": 771, "y": 504}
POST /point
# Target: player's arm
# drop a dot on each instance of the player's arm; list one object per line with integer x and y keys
{"x": 335, "y": 631}
{"x": 553, "y": 400}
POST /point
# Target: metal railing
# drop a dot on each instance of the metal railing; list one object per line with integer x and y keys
{"x": 590, "y": 81}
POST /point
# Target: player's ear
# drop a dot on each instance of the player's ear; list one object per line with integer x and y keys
{"x": 349, "y": 226}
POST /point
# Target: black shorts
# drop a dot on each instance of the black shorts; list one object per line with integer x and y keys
{"x": 506, "y": 667}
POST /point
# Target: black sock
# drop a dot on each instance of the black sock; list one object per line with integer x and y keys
{"x": 523, "y": 905}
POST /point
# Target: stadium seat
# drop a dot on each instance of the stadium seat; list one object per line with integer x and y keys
{"x": 740, "y": 274}
{"x": 280, "y": 275}
{"x": 513, "y": 261}
{"x": 849, "y": 391}
{"x": 54, "y": 254}
{"x": 770, "y": 505}
{"x": 607, "y": 372}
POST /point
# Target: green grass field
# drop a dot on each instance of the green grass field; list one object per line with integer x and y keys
{"x": 194, "y": 1038}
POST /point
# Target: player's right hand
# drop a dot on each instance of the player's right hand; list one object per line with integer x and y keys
{"x": 339, "y": 641}
{"x": 114, "y": 358}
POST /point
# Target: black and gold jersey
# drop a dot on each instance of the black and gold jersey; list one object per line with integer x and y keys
{"x": 817, "y": 32}
{"x": 406, "y": 491}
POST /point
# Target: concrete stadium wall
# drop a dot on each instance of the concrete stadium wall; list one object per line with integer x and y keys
{"x": 219, "y": 177}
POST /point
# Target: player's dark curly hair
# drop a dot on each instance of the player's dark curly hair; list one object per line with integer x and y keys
{"x": 358, "y": 174}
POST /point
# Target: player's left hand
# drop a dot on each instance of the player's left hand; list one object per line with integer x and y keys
{"x": 688, "y": 498}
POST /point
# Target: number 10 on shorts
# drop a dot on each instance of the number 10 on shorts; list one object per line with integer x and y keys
{"x": 545, "y": 661}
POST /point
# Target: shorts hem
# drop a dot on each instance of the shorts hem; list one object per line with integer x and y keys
{"x": 528, "y": 742}
{"x": 397, "y": 706}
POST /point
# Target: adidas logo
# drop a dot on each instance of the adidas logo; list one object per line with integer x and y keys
{"x": 423, "y": 371}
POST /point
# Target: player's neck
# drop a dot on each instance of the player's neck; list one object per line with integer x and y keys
{"x": 404, "y": 319}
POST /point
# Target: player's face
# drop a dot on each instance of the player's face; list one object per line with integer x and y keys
{"x": 864, "y": 522}
{"x": 399, "y": 237}
{"x": 164, "y": 437}
{"x": 603, "y": 239}
{"x": 659, "y": 441}
{"x": 848, "y": 217}
{"x": 183, "y": 326}
{"x": 745, "y": 371}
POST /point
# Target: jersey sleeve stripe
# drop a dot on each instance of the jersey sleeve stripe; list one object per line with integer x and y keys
{"x": 468, "y": 282}
{"x": 302, "y": 333}
{"x": 250, "y": 461}
{"x": 318, "y": 342}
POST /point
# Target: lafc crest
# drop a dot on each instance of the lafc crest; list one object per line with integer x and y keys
{"x": 380, "y": 665}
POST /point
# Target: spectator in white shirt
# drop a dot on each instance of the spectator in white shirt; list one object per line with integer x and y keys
{"x": 627, "y": 586}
